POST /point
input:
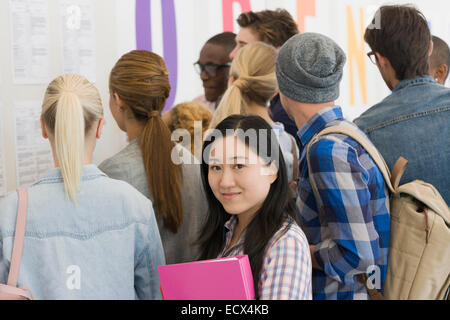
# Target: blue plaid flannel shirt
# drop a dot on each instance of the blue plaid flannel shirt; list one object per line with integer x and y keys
{"x": 352, "y": 233}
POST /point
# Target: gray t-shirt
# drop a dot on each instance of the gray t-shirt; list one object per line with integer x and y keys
{"x": 284, "y": 139}
{"x": 128, "y": 165}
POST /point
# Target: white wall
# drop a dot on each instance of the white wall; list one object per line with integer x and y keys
{"x": 196, "y": 21}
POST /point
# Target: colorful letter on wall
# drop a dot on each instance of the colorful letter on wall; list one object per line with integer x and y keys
{"x": 144, "y": 38}
{"x": 356, "y": 55}
{"x": 227, "y": 11}
{"x": 305, "y": 8}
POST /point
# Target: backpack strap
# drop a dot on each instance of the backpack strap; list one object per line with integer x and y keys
{"x": 399, "y": 168}
{"x": 397, "y": 172}
{"x": 19, "y": 236}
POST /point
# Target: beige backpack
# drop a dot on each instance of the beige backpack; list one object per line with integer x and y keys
{"x": 419, "y": 249}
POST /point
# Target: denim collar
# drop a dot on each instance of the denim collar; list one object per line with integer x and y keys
{"x": 90, "y": 171}
{"x": 317, "y": 122}
{"x": 414, "y": 81}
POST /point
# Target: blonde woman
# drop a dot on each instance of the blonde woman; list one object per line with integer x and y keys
{"x": 252, "y": 84}
{"x": 87, "y": 236}
{"x": 139, "y": 87}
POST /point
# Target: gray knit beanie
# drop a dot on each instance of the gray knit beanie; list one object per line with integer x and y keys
{"x": 309, "y": 68}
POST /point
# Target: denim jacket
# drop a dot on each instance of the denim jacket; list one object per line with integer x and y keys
{"x": 413, "y": 122}
{"x": 105, "y": 247}
{"x": 128, "y": 165}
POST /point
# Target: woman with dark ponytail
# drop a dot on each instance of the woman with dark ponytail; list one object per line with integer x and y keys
{"x": 250, "y": 208}
{"x": 139, "y": 87}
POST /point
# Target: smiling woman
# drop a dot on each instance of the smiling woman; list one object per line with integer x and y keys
{"x": 250, "y": 210}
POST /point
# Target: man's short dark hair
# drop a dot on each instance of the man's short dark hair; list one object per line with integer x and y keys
{"x": 403, "y": 37}
{"x": 225, "y": 40}
{"x": 274, "y": 27}
{"x": 440, "y": 55}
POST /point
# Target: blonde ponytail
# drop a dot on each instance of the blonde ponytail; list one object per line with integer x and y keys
{"x": 69, "y": 141}
{"x": 232, "y": 102}
{"x": 71, "y": 104}
{"x": 253, "y": 70}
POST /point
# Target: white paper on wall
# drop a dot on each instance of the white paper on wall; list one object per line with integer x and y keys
{"x": 2, "y": 156}
{"x": 78, "y": 38}
{"x": 33, "y": 152}
{"x": 30, "y": 41}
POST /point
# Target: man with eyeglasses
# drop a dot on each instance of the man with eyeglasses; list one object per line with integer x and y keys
{"x": 414, "y": 120}
{"x": 213, "y": 66}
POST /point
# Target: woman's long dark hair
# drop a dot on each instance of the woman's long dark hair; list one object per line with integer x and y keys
{"x": 276, "y": 208}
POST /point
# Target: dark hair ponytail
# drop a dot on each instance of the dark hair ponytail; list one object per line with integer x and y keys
{"x": 141, "y": 80}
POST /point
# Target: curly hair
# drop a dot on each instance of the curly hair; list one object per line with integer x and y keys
{"x": 274, "y": 27}
{"x": 183, "y": 117}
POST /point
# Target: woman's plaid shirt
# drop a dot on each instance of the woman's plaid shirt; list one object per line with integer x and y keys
{"x": 286, "y": 270}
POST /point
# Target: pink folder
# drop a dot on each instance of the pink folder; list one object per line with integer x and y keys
{"x": 227, "y": 278}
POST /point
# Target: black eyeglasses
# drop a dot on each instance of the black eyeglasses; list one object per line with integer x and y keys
{"x": 373, "y": 57}
{"x": 210, "y": 69}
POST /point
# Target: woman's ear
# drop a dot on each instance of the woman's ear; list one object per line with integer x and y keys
{"x": 100, "y": 124}
{"x": 116, "y": 98}
{"x": 270, "y": 171}
{"x": 119, "y": 103}
{"x": 431, "y": 48}
{"x": 44, "y": 130}
{"x": 231, "y": 79}
{"x": 274, "y": 172}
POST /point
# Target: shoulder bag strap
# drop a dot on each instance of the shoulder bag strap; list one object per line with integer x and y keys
{"x": 391, "y": 182}
{"x": 18, "y": 237}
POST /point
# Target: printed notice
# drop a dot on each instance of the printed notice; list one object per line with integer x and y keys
{"x": 78, "y": 38}
{"x": 30, "y": 41}
{"x": 2, "y": 157}
{"x": 33, "y": 152}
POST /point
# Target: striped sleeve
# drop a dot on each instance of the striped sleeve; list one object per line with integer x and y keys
{"x": 286, "y": 273}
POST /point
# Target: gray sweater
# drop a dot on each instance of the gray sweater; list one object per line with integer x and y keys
{"x": 128, "y": 165}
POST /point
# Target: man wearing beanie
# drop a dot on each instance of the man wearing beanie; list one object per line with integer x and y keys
{"x": 347, "y": 224}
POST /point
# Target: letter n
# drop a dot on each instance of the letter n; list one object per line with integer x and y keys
{"x": 356, "y": 55}
{"x": 227, "y": 11}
